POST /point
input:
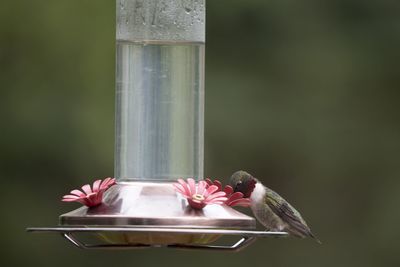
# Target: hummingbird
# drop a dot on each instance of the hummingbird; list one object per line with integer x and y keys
{"x": 270, "y": 209}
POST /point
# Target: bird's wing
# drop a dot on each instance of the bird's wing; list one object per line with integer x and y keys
{"x": 287, "y": 213}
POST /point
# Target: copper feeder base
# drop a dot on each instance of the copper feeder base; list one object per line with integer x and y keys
{"x": 138, "y": 204}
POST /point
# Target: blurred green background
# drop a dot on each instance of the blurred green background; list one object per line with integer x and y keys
{"x": 302, "y": 94}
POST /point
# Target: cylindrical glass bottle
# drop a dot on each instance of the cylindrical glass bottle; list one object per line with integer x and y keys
{"x": 159, "y": 89}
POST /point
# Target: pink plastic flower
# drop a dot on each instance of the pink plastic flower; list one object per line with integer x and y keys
{"x": 233, "y": 199}
{"x": 90, "y": 196}
{"x": 199, "y": 195}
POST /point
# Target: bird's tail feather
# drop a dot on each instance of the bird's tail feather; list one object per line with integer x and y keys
{"x": 303, "y": 234}
{"x": 315, "y": 238}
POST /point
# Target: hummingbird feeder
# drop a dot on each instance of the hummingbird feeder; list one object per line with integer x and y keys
{"x": 159, "y": 138}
